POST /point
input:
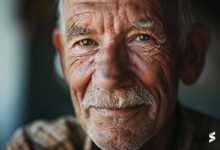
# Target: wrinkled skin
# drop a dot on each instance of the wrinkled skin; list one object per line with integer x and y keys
{"x": 117, "y": 60}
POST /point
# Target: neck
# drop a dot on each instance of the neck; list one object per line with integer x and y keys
{"x": 167, "y": 138}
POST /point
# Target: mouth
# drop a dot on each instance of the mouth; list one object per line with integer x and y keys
{"x": 118, "y": 112}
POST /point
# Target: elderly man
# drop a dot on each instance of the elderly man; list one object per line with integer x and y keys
{"x": 123, "y": 60}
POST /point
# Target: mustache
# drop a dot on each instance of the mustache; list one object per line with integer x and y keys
{"x": 127, "y": 97}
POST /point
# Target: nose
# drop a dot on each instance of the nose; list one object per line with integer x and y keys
{"x": 112, "y": 68}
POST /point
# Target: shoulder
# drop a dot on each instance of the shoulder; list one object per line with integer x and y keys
{"x": 202, "y": 123}
{"x": 63, "y": 133}
{"x": 199, "y": 126}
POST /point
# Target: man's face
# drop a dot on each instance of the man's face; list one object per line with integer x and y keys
{"x": 121, "y": 57}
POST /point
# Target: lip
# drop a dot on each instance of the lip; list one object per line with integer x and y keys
{"x": 118, "y": 113}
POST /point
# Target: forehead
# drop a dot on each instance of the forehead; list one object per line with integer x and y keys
{"x": 87, "y": 12}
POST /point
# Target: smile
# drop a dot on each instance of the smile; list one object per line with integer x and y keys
{"x": 119, "y": 113}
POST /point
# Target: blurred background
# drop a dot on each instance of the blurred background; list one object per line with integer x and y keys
{"x": 31, "y": 82}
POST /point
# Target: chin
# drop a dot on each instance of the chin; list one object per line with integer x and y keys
{"x": 120, "y": 139}
{"x": 121, "y": 133}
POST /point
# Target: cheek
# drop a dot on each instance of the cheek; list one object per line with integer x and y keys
{"x": 80, "y": 70}
{"x": 150, "y": 71}
{"x": 157, "y": 71}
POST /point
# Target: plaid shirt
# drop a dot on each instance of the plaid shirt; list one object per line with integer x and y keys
{"x": 67, "y": 134}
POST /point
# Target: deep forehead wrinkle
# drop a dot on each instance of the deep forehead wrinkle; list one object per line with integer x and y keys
{"x": 153, "y": 7}
{"x": 90, "y": 1}
{"x": 77, "y": 23}
{"x": 80, "y": 7}
{"x": 75, "y": 8}
{"x": 149, "y": 8}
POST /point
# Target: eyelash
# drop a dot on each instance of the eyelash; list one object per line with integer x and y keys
{"x": 135, "y": 36}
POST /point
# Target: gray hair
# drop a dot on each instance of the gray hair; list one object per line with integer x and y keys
{"x": 134, "y": 96}
{"x": 185, "y": 20}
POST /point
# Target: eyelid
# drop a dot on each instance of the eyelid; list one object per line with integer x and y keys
{"x": 135, "y": 43}
{"x": 136, "y": 35}
{"x": 144, "y": 39}
{"x": 81, "y": 37}
{"x": 72, "y": 43}
{"x": 86, "y": 39}
{"x": 149, "y": 32}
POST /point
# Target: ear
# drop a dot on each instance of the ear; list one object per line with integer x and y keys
{"x": 59, "y": 43}
{"x": 193, "y": 59}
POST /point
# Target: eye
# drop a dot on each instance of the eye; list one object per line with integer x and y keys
{"x": 142, "y": 37}
{"x": 86, "y": 42}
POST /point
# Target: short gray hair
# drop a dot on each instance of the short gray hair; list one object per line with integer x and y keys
{"x": 185, "y": 20}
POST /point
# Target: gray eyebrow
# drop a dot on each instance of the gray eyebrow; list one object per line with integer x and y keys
{"x": 76, "y": 30}
{"x": 144, "y": 24}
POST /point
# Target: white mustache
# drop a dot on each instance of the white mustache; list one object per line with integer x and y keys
{"x": 134, "y": 96}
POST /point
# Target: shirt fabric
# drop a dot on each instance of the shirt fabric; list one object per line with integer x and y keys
{"x": 66, "y": 133}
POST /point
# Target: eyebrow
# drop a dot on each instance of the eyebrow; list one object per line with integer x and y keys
{"x": 144, "y": 24}
{"x": 76, "y": 30}
{"x": 82, "y": 30}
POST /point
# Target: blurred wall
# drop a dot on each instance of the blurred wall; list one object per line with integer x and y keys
{"x": 13, "y": 69}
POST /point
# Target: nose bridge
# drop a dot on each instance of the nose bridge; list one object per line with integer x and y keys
{"x": 111, "y": 69}
{"x": 113, "y": 60}
{"x": 112, "y": 51}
